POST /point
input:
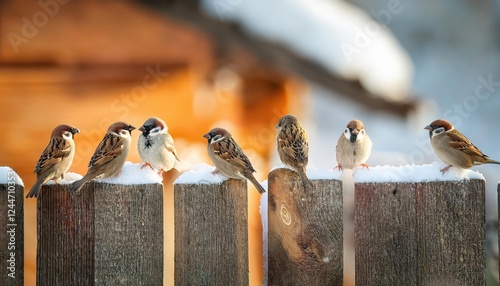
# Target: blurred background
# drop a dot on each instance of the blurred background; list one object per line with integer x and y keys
{"x": 239, "y": 64}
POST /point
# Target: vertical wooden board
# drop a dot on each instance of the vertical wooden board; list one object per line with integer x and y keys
{"x": 128, "y": 234}
{"x": 65, "y": 232}
{"x": 11, "y": 234}
{"x": 305, "y": 231}
{"x": 451, "y": 233}
{"x": 211, "y": 233}
{"x": 385, "y": 234}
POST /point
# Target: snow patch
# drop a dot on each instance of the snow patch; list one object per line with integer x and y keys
{"x": 200, "y": 174}
{"x": 323, "y": 174}
{"x": 69, "y": 178}
{"x": 7, "y": 175}
{"x": 315, "y": 174}
{"x": 413, "y": 173}
{"x": 133, "y": 174}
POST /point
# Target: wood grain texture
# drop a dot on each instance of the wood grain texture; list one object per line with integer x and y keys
{"x": 103, "y": 235}
{"x": 430, "y": 233}
{"x": 11, "y": 234}
{"x": 211, "y": 233}
{"x": 305, "y": 231}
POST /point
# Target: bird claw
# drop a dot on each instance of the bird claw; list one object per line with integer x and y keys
{"x": 215, "y": 172}
{"x": 146, "y": 164}
{"x": 365, "y": 166}
{"x": 445, "y": 169}
{"x": 338, "y": 167}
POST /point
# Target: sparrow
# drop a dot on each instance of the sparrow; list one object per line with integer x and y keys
{"x": 353, "y": 147}
{"x": 453, "y": 147}
{"x": 56, "y": 158}
{"x": 228, "y": 157}
{"x": 156, "y": 145}
{"x": 109, "y": 156}
{"x": 293, "y": 146}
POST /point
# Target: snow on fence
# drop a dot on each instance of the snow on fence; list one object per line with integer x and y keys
{"x": 109, "y": 231}
{"x": 413, "y": 226}
{"x": 11, "y": 228}
{"x": 305, "y": 229}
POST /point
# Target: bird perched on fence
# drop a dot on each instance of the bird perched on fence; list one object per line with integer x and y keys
{"x": 156, "y": 145}
{"x": 228, "y": 157}
{"x": 353, "y": 147}
{"x": 109, "y": 156}
{"x": 56, "y": 158}
{"x": 453, "y": 147}
{"x": 293, "y": 146}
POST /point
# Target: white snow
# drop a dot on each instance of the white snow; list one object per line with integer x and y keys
{"x": 335, "y": 34}
{"x": 323, "y": 174}
{"x": 200, "y": 174}
{"x": 413, "y": 173}
{"x": 133, "y": 174}
{"x": 314, "y": 173}
{"x": 7, "y": 175}
{"x": 265, "y": 229}
{"x": 69, "y": 178}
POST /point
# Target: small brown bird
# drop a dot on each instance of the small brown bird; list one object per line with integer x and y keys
{"x": 56, "y": 158}
{"x": 453, "y": 147}
{"x": 228, "y": 157}
{"x": 156, "y": 145}
{"x": 293, "y": 146}
{"x": 353, "y": 147}
{"x": 109, "y": 157}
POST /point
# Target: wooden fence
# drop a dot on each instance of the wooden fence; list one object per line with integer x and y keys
{"x": 105, "y": 234}
{"x": 430, "y": 233}
{"x": 11, "y": 230}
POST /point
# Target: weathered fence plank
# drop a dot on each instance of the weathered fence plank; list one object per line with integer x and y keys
{"x": 305, "y": 231}
{"x": 105, "y": 234}
{"x": 11, "y": 228}
{"x": 211, "y": 233}
{"x": 429, "y": 233}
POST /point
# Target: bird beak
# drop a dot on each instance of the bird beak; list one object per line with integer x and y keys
{"x": 142, "y": 129}
{"x": 354, "y": 132}
{"x": 74, "y": 131}
{"x": 428, "y": 127}
{"x": 353, "y": 137}
{"x": 207, "y": 136}
{"x": 130, "y": 128}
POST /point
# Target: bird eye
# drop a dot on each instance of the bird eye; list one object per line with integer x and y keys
{"x": 438, "y": 130}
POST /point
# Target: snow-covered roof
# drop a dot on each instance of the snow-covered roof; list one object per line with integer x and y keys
{"x": 335, "y": 34}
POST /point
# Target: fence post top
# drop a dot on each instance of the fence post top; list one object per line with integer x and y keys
{"x": 8, "y": 176}
{"x": 200, "y": 174}
{"x": 413, "y": 174}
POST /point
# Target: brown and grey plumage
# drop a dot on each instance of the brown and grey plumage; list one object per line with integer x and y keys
{"x": 293, "y": 146}
{"x": 156, "y": 145}
{"x": 454, "y": 148}
{"x": 56, "y": 158}
{"x": 353, "y": 147}
{"x": 109, "y": 157}
{"x": 229, "y": 158}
